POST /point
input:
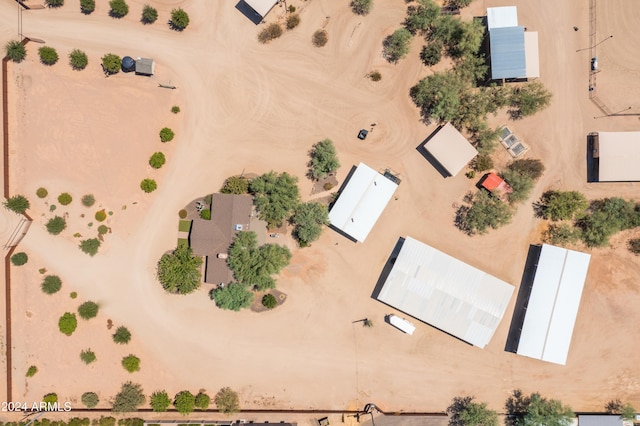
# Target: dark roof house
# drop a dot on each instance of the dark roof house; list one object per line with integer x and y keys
{"x": 229, "y": 214}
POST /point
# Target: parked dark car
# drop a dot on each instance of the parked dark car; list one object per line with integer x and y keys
{"x": 363, "y": 134}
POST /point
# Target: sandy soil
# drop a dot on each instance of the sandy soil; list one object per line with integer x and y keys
{"x": 261, "y": 107}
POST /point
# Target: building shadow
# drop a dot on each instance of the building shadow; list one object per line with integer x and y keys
{"x": 338, "y": 194}
{"x": 388, "y": 266}
{"x": 247, "y": 11}
{"x": 430, "y": 158}
{"x": 524, "y": 292}
{"x": 593, "y": 158}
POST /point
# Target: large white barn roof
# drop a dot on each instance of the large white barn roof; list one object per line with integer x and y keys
{"x": 261, "y": 6}
{"x": 451, "y": 149}
{"x": 553, "y": 304}
{"x": 619, "y": 156}
{"x": 445, "y": 292}
{"x": 361, "y": 202}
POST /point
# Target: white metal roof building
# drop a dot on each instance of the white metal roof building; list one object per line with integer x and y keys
{"x": 361, "y": 202}
{"x": 619, "y": 154}
{"x": 450, "y": 149}
{"x": 501, "y": 17}
{"x": 446, "y": 293}
{"x": 553, "y": 304}
{"x": 262, "y": 7}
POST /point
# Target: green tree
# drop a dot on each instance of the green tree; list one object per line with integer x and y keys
{"x": 521, "y": 185}
{"x": 563, "y": 205}
{"x": 227, "y": 401}
{"x": 543, "y": 412}
{"x": 324, "y": 159}
{"x": 293, "y": 21}
{"x": 107, "y": 421}
{"x": 68, "y": 323}
{"x": 485, "y": 212}
{"x": 361, "y": 7}
{"x": 458, "y": 4}
{"x": 605, "y": 218}
{"x": 166, "y": 134}
{"x": 270, "y": 32}
{"x": 528, "y": 99}
{"x": 88, "y": 200}
{"x": 308, "y": 219}
{"x": 431, "y": 53}
{"x": 90, "y": 246}
{"x": 65, "y": 198}
{"x": 420, "y": 18}
{"x": 626, "y": 411}
{"x": 50, "y": 398}
{"x": 202, "y": 401}
{"x": 275, "y": 196}
{"x": 90, "y": 399}
{"x": 78, "y": 59}
{"x": 19, "y": 259}
{"x": 149, "y": 14}
{"x": 119, "y": 9}
{"x": 88, "y": 310}
{"x": 233, "y": 296}
{"x": 483, "y": 162}
{"x": 320, "y": 38}
{"x": 18, "y": 204}
{"x": 396, "y": 46}
{"x": 160, "y": 401}
{"x": 562, "y": 234}
{"x": 464, "y": 412}
{"x": 87, "y": 6}
{"x": 179, "y": 272}
{"x": 634, "y": 246}
{"x": 235, "y": 185}
{"x": 269, "y": 301}
{"x": 111, "y": 63}
{"x": 148, "y": 185}
{"x": 88, "y": 356}
{"x": 54, "y": 3}
{"x": 484, "y": 139}
{"x": 56, "y": 225}
{"x": 48, "y": 55}
{"x": 460, "y": 38}
{"x": 15, "y": 51}
{"x": 51, "y": 284}
{"x": 530, "y": 167}
{"x": 31, "y": 371}
{"x": 122, "y": 335}
{"x": 184, "y": 402}
{"x": 439, "y": 95}
{"x": 129, "y": 398}
{"x": 131, "y": 363}
{"x": 157, "y": 160}
{"x": 179, "y": 19}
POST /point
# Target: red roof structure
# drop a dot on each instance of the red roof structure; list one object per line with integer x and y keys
{"x": 494, "y": 183}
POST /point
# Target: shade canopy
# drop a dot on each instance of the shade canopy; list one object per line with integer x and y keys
{"x": 619, "y": 156}
{"x": 450, "y": 149}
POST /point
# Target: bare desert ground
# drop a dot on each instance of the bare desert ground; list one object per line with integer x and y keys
{"x": 253, "y": 107}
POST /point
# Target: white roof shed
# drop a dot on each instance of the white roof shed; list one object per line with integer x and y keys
{"x": 262, "y": 7}
{"x": 361, "y": 202}
{"x": 450, "y": 149}
{"x": 619, "y": 156}
{"x": 502, "y": 17}
{"x": 446, "y": 293}
{"x": 553, "y": 304}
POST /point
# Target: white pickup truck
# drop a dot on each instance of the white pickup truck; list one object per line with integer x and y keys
{"x": 401, "y": 324}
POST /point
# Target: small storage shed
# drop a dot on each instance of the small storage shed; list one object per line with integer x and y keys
{"x": 450, "y": 149}
{"x": 145, "y": 66}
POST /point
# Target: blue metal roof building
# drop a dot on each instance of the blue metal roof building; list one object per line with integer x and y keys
{"x": 508, "y": 58}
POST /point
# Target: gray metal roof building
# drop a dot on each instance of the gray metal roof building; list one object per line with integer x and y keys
{"x": 600, "y": 420}
{"x": 508, "y": 59}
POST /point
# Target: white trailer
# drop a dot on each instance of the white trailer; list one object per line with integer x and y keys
{"x": 402, "y": 324}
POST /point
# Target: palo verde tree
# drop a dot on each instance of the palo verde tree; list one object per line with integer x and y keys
{"x": 534, "y": 410}
{"x": 227, "y": 401}
{"x": 202, "y": 401}
{"x": 90, "y": 246}
{"x": 15, "y": 51}
{"x": 485, "y": 212}
{"x": 463, "y": 411}
{"x": 396, "y": 46}
{"x": 18, "y": 204}
{"x": 179, "y": 19}
{"x": 130, "y": 397}
{"x": 276, "y": 195}
{"x": 606, "y": 217}
{"x": 528, "y": 99}
{"x": 233, "y": 297}
{"x": 361, "y": 7}
{"x": 421, "y": 17}
{"x": 563, "y": 205}
{"x": 179, "y": 272}
{"x": 521, "y": 175}
{"x": 308, "y": 219}
{"x": 324, "y": 159}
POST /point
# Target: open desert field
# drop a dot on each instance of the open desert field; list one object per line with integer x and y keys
{"x": 252, "y": 107}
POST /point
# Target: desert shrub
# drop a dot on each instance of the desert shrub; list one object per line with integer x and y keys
{"x": 563, "y": 205}
{"x": 101, "y": 215}
{"x": 19, "y": 259}
{"x": 50, "y": 398}
{"x": 293, "y": 21}
{"x": 431, "y": 53}
{"x": 31, "y": 371}
{"x": 78, "y": 59}
{"x": 90, "y": 246}
{"x": 160, "y": 401}
{"x": 485, "y": 212}
{"x": 148, "y": 185}
{"x": 15, "y": 51}
{"x": 271, "y": 32}
{"x": 464, "y": 411}
{"x": 65, "y": 198}
{"x": 88, "y": 356}
{"x": 88, "y": 310}
{"x": 87, "y": 6}
{"x": 129, "y": 398}
{"x": 320, "y": 38}
{"x": 327, "y": 186}
{"x": 561, "y": 234}
{"x": 361, "y": 7}
{"x": 48, "y": 55}
{"x": 90, "y": 399}
{"x": 375, "y": 75}
{"x": 483, "y": 162}
{"x": 51, "y": 284}
{"x": 119, "y": 8}
{"x": 175, "y": 109}
{"x": 166, "y": 134}
{"x": 396, "y": 46}
{"x": 179, "y": 19}
{"x": 205, "y": 214}
{"x": 18, "y": 204}
{"x": 68, "y": 323}
{"x": 157, "y": 160}
{"x": 202, "y": 401}
{"x": 103, "y": 229}
{"x": 111, "y": 63}
{"x": 227, "y": 401}
{"x": 182, "y": 214}
{"x": 149, "y": 14}
{"x": 530, "y": 167}
{"x": 184, "y": 402}
{"x": 54, "y": 3}
{"x": 131, "y": 363}
{"x": 52, "y": 207}
{"x": 122, "y": 335}
{"x": 88, "y": 200}
{"x": 42, "y": 192}
{"x": 634, "y": 246}
{"x": 235, "y": 185}
{"x": 56, "y": 225}
{"x": 269, "y": 301}
{"x": 73, "y": 295}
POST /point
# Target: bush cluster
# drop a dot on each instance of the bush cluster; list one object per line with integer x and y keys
{"x": 19, "y": 259}
{"x": 48, "y": 55}
{"x": 56, "y": 225}
{"x": 157, "y": 160}
{"x": 319, "y": 38}
{"x": 119, "y": 8}
{"x": 88, "y": 310}
{"x": 148, "y": 185}
{"x": 78, "y": 59}
{"x": 90, "y": 246}
{"x": 88, "y": 200}
{"x": 15, "y": 51}
{"x": 87, "y": 6}
{"x": 122, "y": 335}
{"x": 149, "y": 14}
{"x": 88, "y": 356}
{"x": 51, "y": 284}
{"x": 18, "y": 204}
{"x": 179, "y": 19}
{"x": 166, "y": 134}
{"x": 42, "y": 192}
{"x": 269, "y": 301}
{"x": 131, "y": 363}
{"x": 271, "y": 32}
{"x": 90, "y": 399}
{"x": 65, "y": 198}
{"x": 68, "y": 323}
{"x": 160, "y": 401}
